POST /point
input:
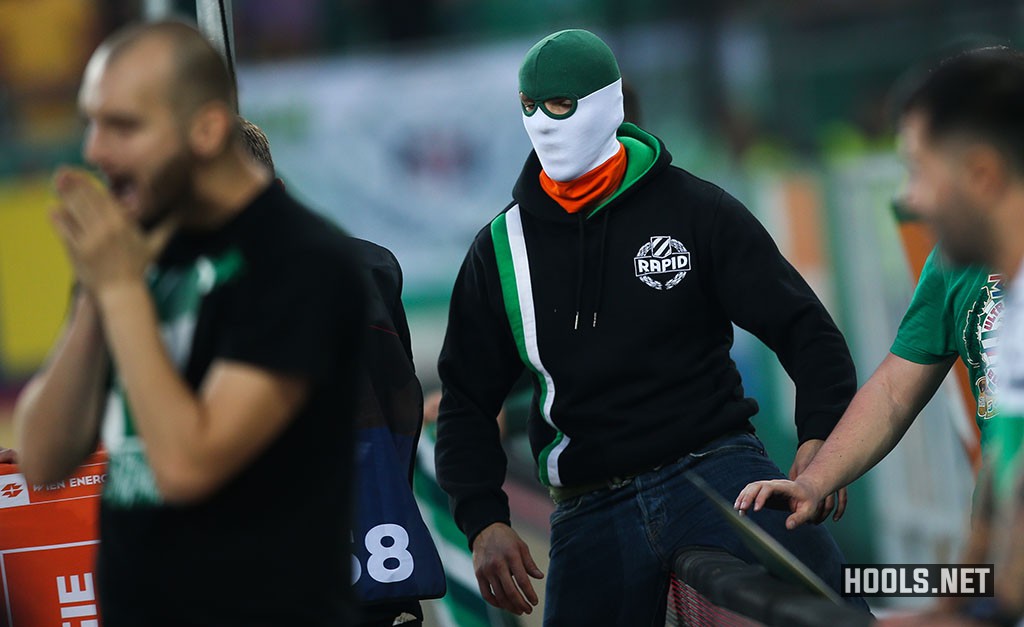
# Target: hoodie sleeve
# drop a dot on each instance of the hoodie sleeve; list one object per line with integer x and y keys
{"x": 762, "y": 293}
{"x": 478, "y": 365}
{"x": 396, "y": 310}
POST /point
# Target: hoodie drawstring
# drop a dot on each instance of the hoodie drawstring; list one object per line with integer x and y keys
{"x": 600, "y": 266}
{"x": 580, "y": 270}
{"x": 579, "y": 273}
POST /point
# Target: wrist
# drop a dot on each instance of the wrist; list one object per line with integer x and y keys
{"x": 124, "y": 293}
{"x": 484, "y": 532}
{"x": 813, "y": 484}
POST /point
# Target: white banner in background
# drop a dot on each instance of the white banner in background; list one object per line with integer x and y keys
{"x": 416, "y": 153}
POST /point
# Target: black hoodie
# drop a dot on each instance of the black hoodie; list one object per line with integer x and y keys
{"x": 624, "y": 317}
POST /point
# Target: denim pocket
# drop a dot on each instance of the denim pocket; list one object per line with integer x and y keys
{"x": 568, "y": 508}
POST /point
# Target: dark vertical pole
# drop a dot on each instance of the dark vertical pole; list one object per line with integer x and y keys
{"x": 214, "y": 17}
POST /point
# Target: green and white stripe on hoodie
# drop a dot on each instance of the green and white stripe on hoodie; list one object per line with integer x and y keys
{"x": 514, "y": 271}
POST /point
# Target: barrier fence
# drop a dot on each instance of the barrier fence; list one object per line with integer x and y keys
{"x": 710, "y": 587}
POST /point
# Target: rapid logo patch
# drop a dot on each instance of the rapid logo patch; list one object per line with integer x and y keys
{"x": 981, "y": 337}
{"x": 661, "y": 259}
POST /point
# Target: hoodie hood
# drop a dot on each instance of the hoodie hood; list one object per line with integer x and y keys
{"x": 646, "y": 156}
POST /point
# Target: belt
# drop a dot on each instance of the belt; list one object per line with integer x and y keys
{"x": 561, "y": 494}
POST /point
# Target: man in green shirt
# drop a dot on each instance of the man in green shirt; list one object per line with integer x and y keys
{"x": 955, "y": 311}
{"x": 962, "y": 135}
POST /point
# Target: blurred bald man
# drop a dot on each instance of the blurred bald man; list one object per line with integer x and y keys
{"x": 214, "y": 319}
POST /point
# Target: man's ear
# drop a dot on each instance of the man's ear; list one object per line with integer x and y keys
{"x": 987, "y": 173}
{"x": 211, "y": 130}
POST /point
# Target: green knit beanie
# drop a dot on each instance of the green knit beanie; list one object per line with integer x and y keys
{"x": 567, "y": 64}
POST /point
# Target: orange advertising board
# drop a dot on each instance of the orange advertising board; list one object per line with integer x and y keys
{"x": 48, "y": 540}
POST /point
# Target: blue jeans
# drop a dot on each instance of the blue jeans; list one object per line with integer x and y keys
{"x": 612, "y": 550}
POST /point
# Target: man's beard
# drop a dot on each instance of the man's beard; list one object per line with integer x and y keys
{"x": 170, "y": 190}
{"x": 967, "y": 239}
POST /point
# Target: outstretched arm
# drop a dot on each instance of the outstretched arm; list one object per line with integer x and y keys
{"x": 878, "y": 416}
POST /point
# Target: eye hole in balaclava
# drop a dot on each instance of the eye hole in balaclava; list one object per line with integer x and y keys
{"x": 557, "y": 108}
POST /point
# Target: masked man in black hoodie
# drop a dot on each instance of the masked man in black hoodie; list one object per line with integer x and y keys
{"x": 615, "y": 279}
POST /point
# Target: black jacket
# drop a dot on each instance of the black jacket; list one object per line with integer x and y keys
{"x": 627, "y": 330}
{"x": 388, "y": 394}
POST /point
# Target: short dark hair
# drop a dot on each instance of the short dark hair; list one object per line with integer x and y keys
{"x": 257, "y": 143}
{"x": 980, "y": 93}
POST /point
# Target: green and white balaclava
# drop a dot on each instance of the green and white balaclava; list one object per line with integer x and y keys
{"x": 573, "y": 64}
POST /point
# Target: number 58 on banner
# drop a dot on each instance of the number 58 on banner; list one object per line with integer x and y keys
{"x": 389, "y": 560}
